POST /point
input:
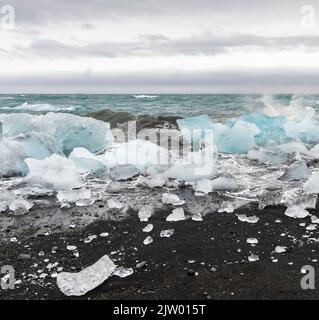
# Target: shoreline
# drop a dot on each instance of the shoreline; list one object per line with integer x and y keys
{"x": 201, "y": 260}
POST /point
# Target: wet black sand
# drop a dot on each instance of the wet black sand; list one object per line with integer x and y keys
{"x": 212, "y": 243}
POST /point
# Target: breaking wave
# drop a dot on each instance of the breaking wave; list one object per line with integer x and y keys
{"x": 40, "y": 107}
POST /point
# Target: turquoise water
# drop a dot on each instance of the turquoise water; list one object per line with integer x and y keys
{"x": 220, "y": 107}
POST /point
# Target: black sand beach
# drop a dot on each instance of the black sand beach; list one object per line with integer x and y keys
{"x": 201, "y": 260}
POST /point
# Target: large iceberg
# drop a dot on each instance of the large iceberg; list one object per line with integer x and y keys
{"x": 69, "y": 131}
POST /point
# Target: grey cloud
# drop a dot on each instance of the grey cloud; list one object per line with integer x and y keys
{"x": 278, "y": 81}
{"x": 152, "y": 45}
{"x": 44, "y": 11}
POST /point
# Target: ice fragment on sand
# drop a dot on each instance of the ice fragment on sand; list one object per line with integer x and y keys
{"x": 148, "y": 228}
{"x": 55, "y": 172}
{"x": 20, "y": 206}
{"x": 296, "y": 211}
{"x": 252, "y": 241}
{"x": 197, "y": 217}
{"x": 123, "y": 272}
{"x": 169, "y": 198}
{"x": 114, "y": 204}
{"x": 78, "y": 284}
{"x": 166, "y": 233}
{"x": 226, "y": 206}
{"x": 244, "y": 218}
{"x": 145, "y": 212}
{"x": 71, "y": 248}
{"x": 155, "y": 181}
{"x": 80, "y": 197}
{"x": 297, "y": 171}
{"x": 177, "y": 215}
{"x": 280, "y": 249}
{"x": 203, "y": 186}
{"x": 253, "y": 258}
{"x": 148, "y": 240}
{"x": 104, "y": 234}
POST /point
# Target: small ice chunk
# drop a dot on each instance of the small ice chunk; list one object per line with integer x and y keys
{"x": 20, "y": 206}
{"x": 296, "y": 211}
{"x": 252, "y": 241}
{"x": 177, "y": 215}
{"x": 169, "y": 198}
{"x": 148, "y": 240}
{"x": 123, "y": 272}
{"x": 104, "y": 234}
{"x": 114, "y": 204}
{"x": 167, "y": 233}
{"x": 314, "y": 219}
{"x": 155, "y": 181}
{"x": 81, "y": 197}
{"x": 224, "y": 184}
{"x": 78, "y": 284}
{"x": 124, "y": 172}
{"x": 253, "y": 258}
{"x": 197, "y": 217}
{"x": 297, "y": 171}
{"x": 55, "y": 172}
{"x": 145, "y": 212}
{"x": 148, "y": 228}
{"x": 203, "y": 186}
{"x": 280, "y": 249}
{"x": 244, "y": 218}
{"x": 71, "y": 248}
{"x": 311, "y": 227}
{"x": 90, "y": 239}
{"x": 226, "y": 206}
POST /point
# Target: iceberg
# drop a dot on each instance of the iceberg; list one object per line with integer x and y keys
{"x": 271, "y": 128}
{"x": 238, "y": 139}
{"x": 297, "y": 171}
{"x": 123, "y": 172}
{"x": 12, "y": 157}
{"x": 55, "y": 172}
{"x": 69, "y": 131}
{"x": 20, "y": 206}
{"x": 139, "y": 153}
{"x": 306, "y": 130}
{"x": 86, "y": 162}
{"x": 78, "y": 284}
{"x": 312, "y": 185}
{"x": 196, "y": 128}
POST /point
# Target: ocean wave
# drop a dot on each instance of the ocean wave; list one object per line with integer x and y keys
{"x": 274, "y": 108}
{"x": 42, "y": 107}
{"x": 144, "y": 96}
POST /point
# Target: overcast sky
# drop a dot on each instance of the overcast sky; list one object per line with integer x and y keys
{"x": 160, "y": 46}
